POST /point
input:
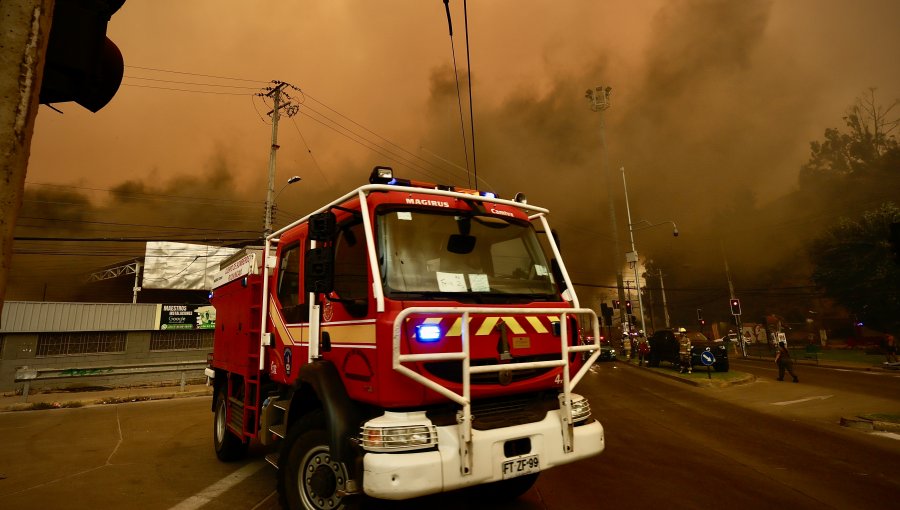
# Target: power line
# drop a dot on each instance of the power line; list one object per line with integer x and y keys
{"x": 195, "y": 74}
{"x": 185, "y": 90}
{"x": 190, "y": 83}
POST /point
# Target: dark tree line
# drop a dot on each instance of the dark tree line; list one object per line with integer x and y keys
{"x": 852, "y": 261}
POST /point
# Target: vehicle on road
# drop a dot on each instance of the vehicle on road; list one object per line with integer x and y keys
{"x": 607, "y": 352}
{"x": 405, "y": 339}
{"x": 664, "y": 346}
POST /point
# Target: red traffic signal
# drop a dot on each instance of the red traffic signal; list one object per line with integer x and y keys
{"x": 735, "y": 306}
{"x": 616, "y": 304}
{"x": 628, "y": 307}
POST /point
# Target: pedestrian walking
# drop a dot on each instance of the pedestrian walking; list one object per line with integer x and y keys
{"x": 890, "y": 349}
{"x": 784, "y": 362}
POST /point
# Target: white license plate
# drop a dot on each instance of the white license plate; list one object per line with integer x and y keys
{"x": 520, "y": 466}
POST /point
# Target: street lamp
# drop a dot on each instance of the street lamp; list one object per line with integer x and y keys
{"x": 632, "y": 256}
{"x": 273, "y": 207}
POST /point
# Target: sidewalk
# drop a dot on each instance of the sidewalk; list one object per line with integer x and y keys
{"x": 76, "y": 398}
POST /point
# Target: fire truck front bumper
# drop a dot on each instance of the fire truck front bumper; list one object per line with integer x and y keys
{"x": 496, "y": 454}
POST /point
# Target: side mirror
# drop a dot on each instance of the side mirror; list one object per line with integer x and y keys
{"x": 318, "y": 270}
{"x": 322, "y": 226}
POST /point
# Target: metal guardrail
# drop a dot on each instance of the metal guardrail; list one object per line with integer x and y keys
{"x": 27, "y": 374}
{"x": 465, "y": 398}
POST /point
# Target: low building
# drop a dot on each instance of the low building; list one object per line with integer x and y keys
{"x": 49, "y": 345}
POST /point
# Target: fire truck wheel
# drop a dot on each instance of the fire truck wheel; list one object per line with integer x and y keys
{"x": 229, "y": 447}
{"x": 308, "y": 478}
{"x": 506, "y": 490}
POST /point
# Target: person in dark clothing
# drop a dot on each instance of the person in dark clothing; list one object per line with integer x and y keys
{"x": 784, "y": 362}
{"x": 890, "y": 349}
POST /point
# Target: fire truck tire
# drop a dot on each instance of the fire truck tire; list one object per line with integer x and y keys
{"x": 308, "y": 477}
{"x": 228, "y": 446}
{"x": 506, "y": 490}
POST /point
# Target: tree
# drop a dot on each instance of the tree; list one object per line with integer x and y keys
{"x": 860, "y": 151}
{"x": 853, "y": 264}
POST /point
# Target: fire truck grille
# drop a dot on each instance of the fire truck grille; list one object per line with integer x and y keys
{"x": 451, "y": 371}
{"x": 501, "y": 412}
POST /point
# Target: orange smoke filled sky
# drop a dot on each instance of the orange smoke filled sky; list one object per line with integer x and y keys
{"x": 713, "y": 101}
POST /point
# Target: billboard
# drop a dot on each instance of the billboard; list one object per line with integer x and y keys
{"x": 191, "y": 317}
{"x": 182, "y": 266}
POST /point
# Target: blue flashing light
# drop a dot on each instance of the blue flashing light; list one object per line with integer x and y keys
{"x": 488, "y": 194}
{"x": 392, "y": 182}
{"x": 210, "y": 295}
{"x": 428, "y": 332}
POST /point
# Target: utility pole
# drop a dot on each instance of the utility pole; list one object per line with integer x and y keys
{"x": 737, "y": 318}
{"x": 632, "y": 257}
{"x": 282, "y": 101}
{"x": 662, "y": 287}
{"x": 26, "y": 32}
{"x": 275, "y": 94}
{"x": 599, "y": 102}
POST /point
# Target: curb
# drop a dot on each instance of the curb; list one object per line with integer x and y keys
{"x": 701, "y": 383}
{"x": 169, "y": 395}
{"x": 868, "y": 425}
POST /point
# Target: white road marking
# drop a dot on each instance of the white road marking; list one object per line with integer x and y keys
{"x": 213, "y": 491}
{"x": 789, "y": 402}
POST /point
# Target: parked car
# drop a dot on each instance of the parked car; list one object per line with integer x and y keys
{"x": 718, "y": 349}
{"x": 664, "y": 346}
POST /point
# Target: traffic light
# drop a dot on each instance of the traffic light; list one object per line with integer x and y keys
{"x": 606, "y": 312}
{"x": 616, "y": 303}
{"x": 82, "y": 64}
{"x": 735, "y": 306}
{"x": 700, "y": 315}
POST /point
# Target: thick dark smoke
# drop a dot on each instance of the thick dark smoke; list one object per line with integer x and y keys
{"x": 709, "y": 135}
{"x": 712, "y": 122}
{"x": 204, "y": 208}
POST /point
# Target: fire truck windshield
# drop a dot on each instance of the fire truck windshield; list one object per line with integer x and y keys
{"x": 429, "y": 254}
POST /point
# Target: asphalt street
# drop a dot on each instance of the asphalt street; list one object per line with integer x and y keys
{"x": 669, "y": 444}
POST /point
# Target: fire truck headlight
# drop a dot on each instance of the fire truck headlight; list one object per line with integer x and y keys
{"x": 581, "y": 409}
{"x": 428, "y": 333}
{"x": 388, "y": 433}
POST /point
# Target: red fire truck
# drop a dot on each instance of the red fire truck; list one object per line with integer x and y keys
{"x": 404, "y": 340}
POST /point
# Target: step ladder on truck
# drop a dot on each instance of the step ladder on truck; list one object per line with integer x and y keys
{"x": 405, "y": 339}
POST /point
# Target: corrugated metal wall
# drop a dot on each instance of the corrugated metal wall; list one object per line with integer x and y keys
{"x": 34, "y": 316}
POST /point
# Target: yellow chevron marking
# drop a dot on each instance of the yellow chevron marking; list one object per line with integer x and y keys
{"x": 514, "y": 325}
{"x": 432, "y": 320}
{"x": 456, "y": 328}
{"x": 536, "y": 324}
{"x": 487, "y": 326}
{"x": 553, "y": 318}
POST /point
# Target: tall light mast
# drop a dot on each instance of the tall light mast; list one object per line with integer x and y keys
{"x": 599, "y": 102}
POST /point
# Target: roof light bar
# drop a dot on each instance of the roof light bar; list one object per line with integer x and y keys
{"x": 381, "y": 175}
